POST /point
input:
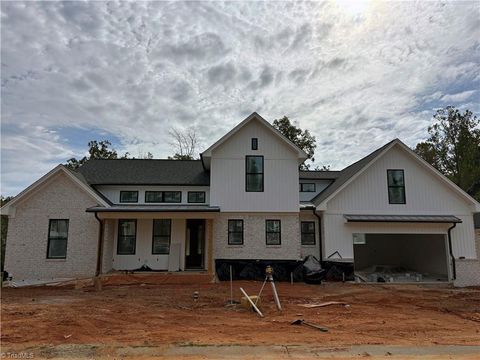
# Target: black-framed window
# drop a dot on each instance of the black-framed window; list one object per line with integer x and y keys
{"x": 128, "y": 196}
{"x": 57, "y": 239}
{"x": 254, "y": 173}
{"x": 307, "y": 229}
{"x": 127, "y": 236}
{"x": 235, "y": 232}
{"x": 153, "y": 196}
{"x": 273, "y": 232}
{"x": 307, "y": 187}
{"x": 162, "y": 229}
{"x": 196, "y": 196}
{"x": 396, "y": 186}
{"x": 254, "y": 143}
{"x": 163, "y": 196}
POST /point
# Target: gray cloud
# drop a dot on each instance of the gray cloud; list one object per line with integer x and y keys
{"x": 130, "y": 70}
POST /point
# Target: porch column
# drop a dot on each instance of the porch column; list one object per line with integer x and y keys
{"x": 210, "y": 266}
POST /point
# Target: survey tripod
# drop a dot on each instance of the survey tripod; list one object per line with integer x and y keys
{"x": 269, "y": 278}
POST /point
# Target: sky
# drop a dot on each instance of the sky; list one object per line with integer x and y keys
{"x": 356, "y": 74}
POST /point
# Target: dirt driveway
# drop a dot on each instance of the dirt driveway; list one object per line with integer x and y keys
{"x": 147, "y": 315}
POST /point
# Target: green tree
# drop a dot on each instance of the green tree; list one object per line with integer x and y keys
{"x": 454, "y": 148}
{"x": 4, "y": 228}
{"x": 302, "y": 138}
{"x": 96, "y": 150}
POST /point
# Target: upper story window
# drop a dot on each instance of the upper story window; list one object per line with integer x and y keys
{"x": 128, "y": 196}
{"x": 396, "y": 187}
{"x": 273, "y": 232}
{"x": 254, "y": 143}
{"x": 254, "y": 174}
{"x": 57, "y": 239}
{"x": 196, "y": 196}
{"x": 163, "y": 196}
{"x": 127, "y": 236}
{"x": 307, "y": 187}
{"x": 235, "y": 232}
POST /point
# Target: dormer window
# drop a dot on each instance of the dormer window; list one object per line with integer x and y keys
{"x": 307, "y": 187}
{"x": 396, "y": 187}
{"x": 254, "y": 143}
{"x": 128, "y": 196}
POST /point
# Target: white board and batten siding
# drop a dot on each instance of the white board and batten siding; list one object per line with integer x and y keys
{"x": 425, "y": 195}
{"x": 227, "y": 174}
{"x": 112, "y": 192}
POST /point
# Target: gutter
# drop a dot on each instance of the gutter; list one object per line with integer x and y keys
{"x": 319, "y": 235}
{"x": 454, "y": 268}
{"x": 98, "y": 270}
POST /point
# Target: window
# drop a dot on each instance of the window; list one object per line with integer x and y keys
{"x": 57, "y": 239}
{"x": 161, "y": 236}
{"x": 163, "y": 196}
{"x": 127, "y": 233}
{"x": 254, "y": 144}
{"x": 272, "y": 228}
{"x": 307, "y": 232}
{"x": 128, "y": 196}
{"x": 196, "y": 196}
{"x": 153, "y": 196}
{"x": 307, "y": 187}
{"x": 396, "y": 187}
{"x": 235, "y": 232}
{"x": 172, "y": 196}
{"x": 254, "y": 174}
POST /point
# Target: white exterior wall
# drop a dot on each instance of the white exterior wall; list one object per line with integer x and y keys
{"x": 227, "y": 174}
{"x": 112, "y": 193}
{"x": 320, "y": 185}
{"x": 27, "y": 238}
{"x": 425, "y": 195}
{"x": 254, "y": 243}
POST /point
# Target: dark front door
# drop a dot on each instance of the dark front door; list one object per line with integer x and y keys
{"x": 195, "y": 244}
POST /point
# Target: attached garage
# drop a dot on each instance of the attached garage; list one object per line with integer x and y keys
{"x": 401, "y": 257}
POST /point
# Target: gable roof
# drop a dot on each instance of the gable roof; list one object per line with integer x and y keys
{"x": 348, "y": 174}
{"x": 253, "y": 116}
{"x": 143, "y": 172}
{"x": 5, "y": 210}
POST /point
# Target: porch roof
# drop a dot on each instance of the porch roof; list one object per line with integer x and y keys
{"x": 155, "y": 208}
{"x": 403, "y": 218}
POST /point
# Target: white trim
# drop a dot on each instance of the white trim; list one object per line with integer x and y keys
{"x": 438, "y": 174}
{"x": 8, "y": 208}
{"x": 207, "y": 153}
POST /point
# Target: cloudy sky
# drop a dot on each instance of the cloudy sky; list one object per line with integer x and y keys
{"x": 356, "y": 74}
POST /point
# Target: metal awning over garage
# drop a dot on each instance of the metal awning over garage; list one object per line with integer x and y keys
{"x": 403, "y": 218}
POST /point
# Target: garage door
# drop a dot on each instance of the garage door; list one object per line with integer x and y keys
{"x": 401, "y": 257}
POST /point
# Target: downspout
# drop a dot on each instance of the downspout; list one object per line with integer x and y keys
{"x": 319, "y": 235}
{"x": 100, "y": 246}
{"x": 454, "y": 268}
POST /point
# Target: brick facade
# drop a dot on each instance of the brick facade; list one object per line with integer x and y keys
{"x": 27, "y": 238}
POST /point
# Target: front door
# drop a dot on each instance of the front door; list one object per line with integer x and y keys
{"x": 195, "y": 244}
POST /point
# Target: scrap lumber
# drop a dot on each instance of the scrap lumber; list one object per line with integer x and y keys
{"x": 328, "y": 303}
{"x": 251, "y": 302}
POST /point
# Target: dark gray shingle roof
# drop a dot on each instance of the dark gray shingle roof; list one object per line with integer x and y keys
{"x": 319, "y": 175}
{"x": 143, "y": 172}
{"x": 347, "y": 173}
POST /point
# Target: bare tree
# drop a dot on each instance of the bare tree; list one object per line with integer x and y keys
{"x": 185, "y": 143}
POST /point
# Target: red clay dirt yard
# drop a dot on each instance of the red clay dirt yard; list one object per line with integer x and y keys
{"x": 150, "y": 320}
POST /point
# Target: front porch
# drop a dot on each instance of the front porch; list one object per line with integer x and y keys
{"x": 169, "y": 241}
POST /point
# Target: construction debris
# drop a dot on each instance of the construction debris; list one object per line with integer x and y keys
{"x": 251, "y": 302}
{"x": 303, "y": 322}
{"x": 244, "y": 303}
{"x": 328, "y": 303}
